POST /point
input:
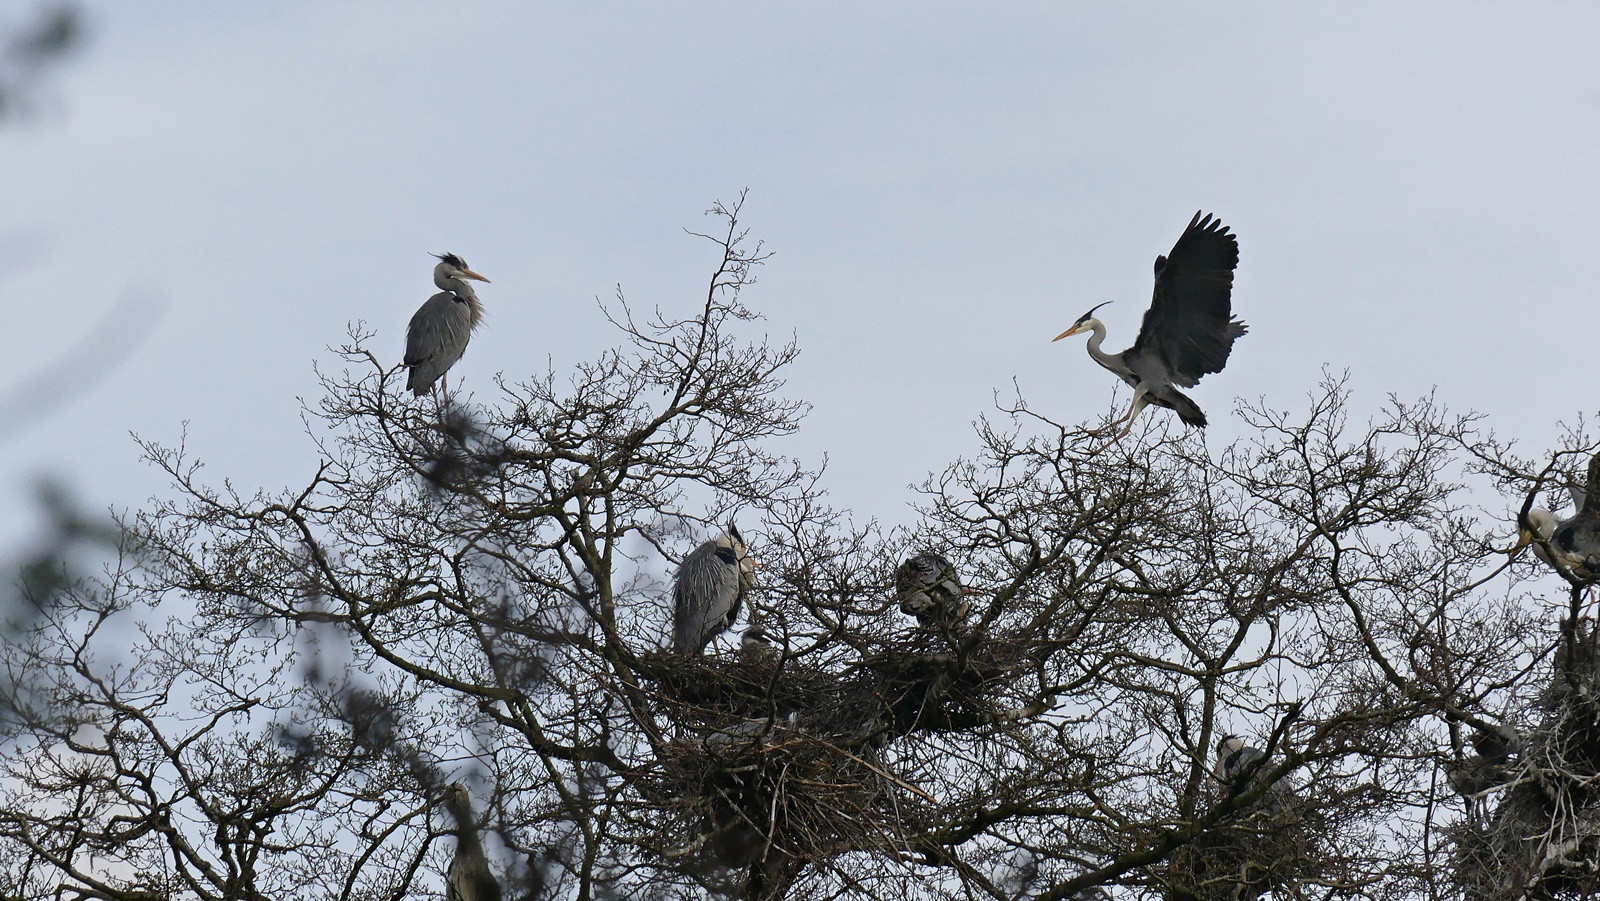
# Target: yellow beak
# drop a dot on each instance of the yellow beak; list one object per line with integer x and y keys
{"x": 468, "y": 273}
{"x": 1066, "y": 334}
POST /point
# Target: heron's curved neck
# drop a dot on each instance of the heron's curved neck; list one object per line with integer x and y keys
{"x": 1097, "y": 336}
{"x": 462, "y": 289}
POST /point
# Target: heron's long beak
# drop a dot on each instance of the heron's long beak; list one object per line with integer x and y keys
{"x": 468, "y": 273}
{"x": 1067, "y": 334}
{"x": 1524, "y": 538}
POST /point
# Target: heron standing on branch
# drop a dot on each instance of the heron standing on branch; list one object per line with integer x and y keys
{"x": 469, "y": 878}
{"x": 1188, "y": 330}
{"x": 712, "y": 581}
{"x": 441, "y": 327}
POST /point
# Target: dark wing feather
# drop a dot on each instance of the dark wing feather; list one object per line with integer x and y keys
{"x": 1190, "y": 327}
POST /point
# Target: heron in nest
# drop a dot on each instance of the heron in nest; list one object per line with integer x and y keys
{"x": 712, "y": 582}
{"x": 928, "y": 588}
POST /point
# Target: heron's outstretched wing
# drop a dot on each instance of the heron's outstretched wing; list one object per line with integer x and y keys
{"x": 1580, "y": 535}
{"x": 705, "y": 596}
{"x": 436, "y": 339}
{"x": 1189, "y": 328}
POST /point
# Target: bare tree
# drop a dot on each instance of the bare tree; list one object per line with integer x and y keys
{"x": 479, "y": 594}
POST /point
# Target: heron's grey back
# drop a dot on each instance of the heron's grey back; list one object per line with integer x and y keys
{"x": 705, "y": 597}
{"x": 436, "y": 339}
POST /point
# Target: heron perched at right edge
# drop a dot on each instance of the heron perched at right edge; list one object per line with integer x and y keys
{"x": 441, "y": 327}
{"x": 1574, "y": 542}
{"x": 1188, "y": 330}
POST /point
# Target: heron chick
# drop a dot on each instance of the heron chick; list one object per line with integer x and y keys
{"x": 1188, "y": 331}
{"x": 441, "y": 327}
{"x": 711, "y": 584}
{"x": 755, "y": 645}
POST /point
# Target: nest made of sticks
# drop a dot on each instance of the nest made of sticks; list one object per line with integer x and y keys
{"x": 776, "y": 757}
{"x": 1538, "y": 832}
{"x": 1247, "y": 854}
{"x": 754, "y": 789}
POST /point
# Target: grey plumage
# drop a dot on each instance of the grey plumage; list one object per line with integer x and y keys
{"x": 1189, "y": 329}
{"x": 442, "y": 326}
{"x": 711, "y": 583}
{"x": 469, "y": 877}
{"x": 756, "y": 645}
{"x": 1573, "y": 542}
{"x": 929, "y": 589}
{"x": 1235, "y": 759}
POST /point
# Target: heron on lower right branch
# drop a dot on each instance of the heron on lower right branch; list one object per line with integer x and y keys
{"x": 1573, "y": 542}
{"x": 469, "y": 877}
{"x": 1188, "y": 331}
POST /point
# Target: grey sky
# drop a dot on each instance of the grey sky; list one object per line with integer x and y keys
{"x": 946, "y": 187}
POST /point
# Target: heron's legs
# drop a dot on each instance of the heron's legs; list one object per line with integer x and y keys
{"x": 1139, "y": 403}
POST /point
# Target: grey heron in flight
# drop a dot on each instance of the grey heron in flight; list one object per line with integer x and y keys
{"x": 469, "y": 878}
{"x": 1187, "y": 332}
{"x": 441, "y": 327}
{"x": 712, "y": 581}
{"x": 1574, "y": 542}
{"x": 929, "y": 589}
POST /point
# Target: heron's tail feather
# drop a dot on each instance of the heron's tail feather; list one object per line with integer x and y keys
{"x": 1188, "y": 410}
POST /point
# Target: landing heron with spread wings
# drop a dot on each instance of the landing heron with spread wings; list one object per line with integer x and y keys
{"x": 1188, "y": 330}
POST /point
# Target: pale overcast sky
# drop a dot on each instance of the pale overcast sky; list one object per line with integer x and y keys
{"x": 945, "y": 187}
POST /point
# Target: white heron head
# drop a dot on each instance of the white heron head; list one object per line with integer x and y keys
{"x": 1085, "y": 323}
{"x": 452, "y": 267}
{"x": 1226, "y": 748}
{"x": 733, "y": 541}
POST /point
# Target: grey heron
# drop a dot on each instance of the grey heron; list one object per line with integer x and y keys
{"x": 929, "y": 589}
{"x": 469, "y": 878}
{"x": 1573, "y": 542}
{"x": 1187, "y": 332}
{"x": 712, "y": 581}
{"x": 441, "y": 327}
{"x": 1236, "y": 759}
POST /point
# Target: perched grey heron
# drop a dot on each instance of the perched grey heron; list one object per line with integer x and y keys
{"x": 1573, "y": 542}
{"x": 441, "y": 327}
{"x": 929, "y": 589}
{"x": 711, "y": 583}
{"x": 1235, "y": 758}
{"x": 1187, "y": 332}
{"x": 469, "y": 878}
